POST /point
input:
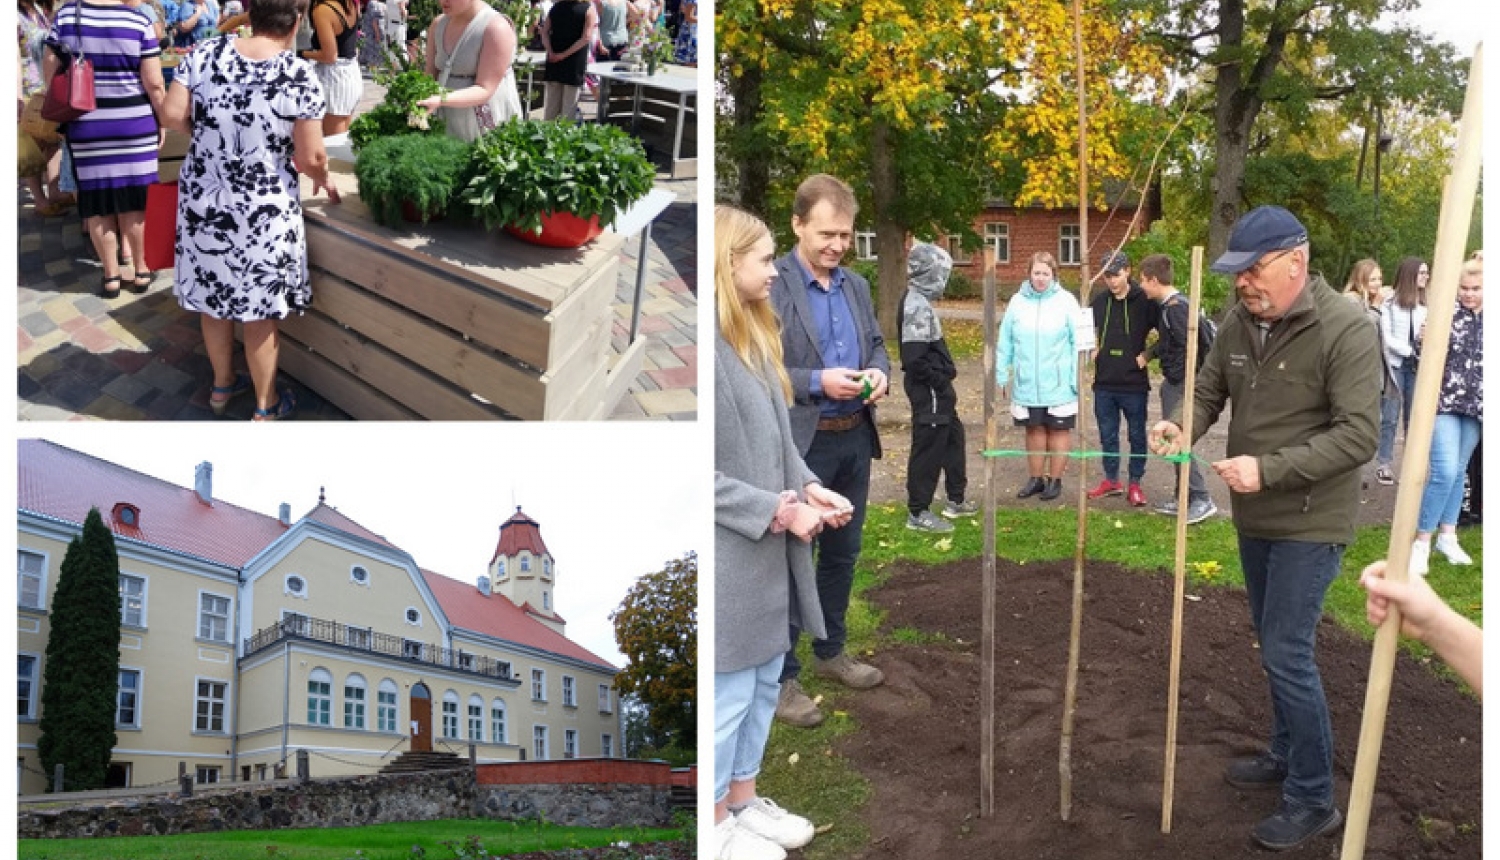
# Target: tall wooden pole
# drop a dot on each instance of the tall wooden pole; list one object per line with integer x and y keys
{"x": 987, "y": 646}
{"x": 1174, "y": 670}
{"x": 1075, "y": 634}
{"x": 1453, "y": 230}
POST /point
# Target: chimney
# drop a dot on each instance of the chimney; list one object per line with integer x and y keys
{"x": 484, "y": 585}
{"x": 203, "y": 482}
{"x": 285, "y": 514}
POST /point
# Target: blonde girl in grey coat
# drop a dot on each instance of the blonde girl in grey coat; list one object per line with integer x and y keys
{"x": 763, "y": 494}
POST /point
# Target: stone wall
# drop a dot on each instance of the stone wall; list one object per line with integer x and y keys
{"x": 610, "y": 797}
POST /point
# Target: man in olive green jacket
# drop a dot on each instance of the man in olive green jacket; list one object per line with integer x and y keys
{"x": 1302, "y": 367}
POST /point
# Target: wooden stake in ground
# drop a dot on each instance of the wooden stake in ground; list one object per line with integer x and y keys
{"x": 1179, "y": 566}
{"x": 1453, "y": 228}
{"x": 1075, "y": 634}
{"x": 987, "y": 646}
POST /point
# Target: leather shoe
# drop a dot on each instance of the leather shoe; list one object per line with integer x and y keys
{"x": 795, "y": 708}
{"x": 1294, "y": 824}
{"x": 1033, "y": 486}
{"x": 849, "y": 672}
{"x": 1053, "y": 490}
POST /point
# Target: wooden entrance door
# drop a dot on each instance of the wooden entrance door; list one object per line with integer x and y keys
{"x": 421, "y": 718}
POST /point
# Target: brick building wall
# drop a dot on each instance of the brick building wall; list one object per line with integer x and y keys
{"x": 1030, "y": 229}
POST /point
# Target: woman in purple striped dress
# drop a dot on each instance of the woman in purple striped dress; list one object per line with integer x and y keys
{"x": 114, "y": 146}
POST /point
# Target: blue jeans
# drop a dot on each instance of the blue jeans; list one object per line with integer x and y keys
{"x": 1390, "y": 413}
{"x": 1286, "y": 582}
{"x": 1108, "y": 406}
{"x": 1407, "y": 373}
{"x": 744, "y": 703}
{"x": 842, "y": 462}
{"x": 1453, "y": 441}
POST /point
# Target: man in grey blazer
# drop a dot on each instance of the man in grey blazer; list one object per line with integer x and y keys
{"x": 839, "y": 369}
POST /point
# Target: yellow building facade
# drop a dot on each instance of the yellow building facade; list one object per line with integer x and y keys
{"x": 246, "y": 638}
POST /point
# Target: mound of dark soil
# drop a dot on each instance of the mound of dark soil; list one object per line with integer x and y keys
{"x": 919, "y": 737}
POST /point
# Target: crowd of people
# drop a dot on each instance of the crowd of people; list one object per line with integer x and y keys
{"x": 1311, "y": 381}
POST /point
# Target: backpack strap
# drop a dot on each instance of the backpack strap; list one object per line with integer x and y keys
{"x": 476, "y": 26}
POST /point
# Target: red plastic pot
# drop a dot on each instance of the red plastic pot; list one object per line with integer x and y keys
{"x": 560, "y": 230}
{"x": 413, "y": 215}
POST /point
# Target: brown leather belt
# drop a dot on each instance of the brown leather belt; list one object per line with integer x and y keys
{"x": 841, "y": 423}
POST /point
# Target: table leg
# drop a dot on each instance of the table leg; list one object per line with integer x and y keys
{"x": 640, "y": 281}
{"x": 677, "y": 138}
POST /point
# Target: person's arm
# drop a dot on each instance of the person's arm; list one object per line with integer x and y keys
{"x": 495, "y": 56}
{"x": 430, "y": 63}
{"x": 230, "y": 23}
{"x": 1426, "y": 618}
{"x": 188, "y": 23}
{"x": 590, "y": 21}
{"x": 323, "y": 19}
{"x": 544, "y": 31}
{"x": 176, "y": 105}
{"x": 154, "y": 83}
{"x": 310, "y": 156}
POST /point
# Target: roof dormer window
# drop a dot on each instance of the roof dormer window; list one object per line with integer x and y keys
{"x": 525, "y": 562}
{"x": 127, "y": 514}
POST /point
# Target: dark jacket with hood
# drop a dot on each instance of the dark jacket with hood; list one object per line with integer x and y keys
{"x": 1121, "y": 326}
{"x": 926, "y": 363}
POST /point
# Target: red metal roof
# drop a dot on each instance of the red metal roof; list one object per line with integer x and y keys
{"x": 331, "y": 517}
{"x": 62, "y": 483}
{"x": 494, "y": 615}
{"x": 518, "y": 533}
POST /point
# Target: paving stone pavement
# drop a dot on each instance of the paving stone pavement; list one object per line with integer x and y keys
{"x": 81, "y": 357}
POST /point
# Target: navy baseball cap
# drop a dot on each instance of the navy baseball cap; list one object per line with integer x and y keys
{"x": 1258, "y": 232}
{"x": 1113, "y": 261}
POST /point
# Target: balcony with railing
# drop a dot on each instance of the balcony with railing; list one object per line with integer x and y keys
{"x": 363, "y": 639}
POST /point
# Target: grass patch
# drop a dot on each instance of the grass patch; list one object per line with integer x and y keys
{"x": 376, "y": 842}
{"x": 802, "y": 773}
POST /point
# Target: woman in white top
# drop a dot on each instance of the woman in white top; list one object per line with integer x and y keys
{"x": 470, "y": 48}
{"x": 1401, "y": 319}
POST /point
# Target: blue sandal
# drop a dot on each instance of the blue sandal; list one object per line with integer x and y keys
{"x": 285, "y": 405}
{"x": 220, "y": 395}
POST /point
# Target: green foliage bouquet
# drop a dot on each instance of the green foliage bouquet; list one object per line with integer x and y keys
{"x": 398, "y": 114}
{"x": 524, "y": 169}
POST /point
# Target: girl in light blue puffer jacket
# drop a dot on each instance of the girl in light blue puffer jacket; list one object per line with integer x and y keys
{"x": 1036, "y": 352}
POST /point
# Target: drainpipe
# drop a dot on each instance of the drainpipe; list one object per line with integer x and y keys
{"x": 286, "y": 693}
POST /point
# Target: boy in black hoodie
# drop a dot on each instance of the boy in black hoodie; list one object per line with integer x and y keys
{"x": 1123, "y": 315}
{"x": 937, "y": 433}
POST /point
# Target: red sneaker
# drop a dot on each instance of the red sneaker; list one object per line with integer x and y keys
{"x": 1136, "y": 497}
{"x": 1106, "y": 488}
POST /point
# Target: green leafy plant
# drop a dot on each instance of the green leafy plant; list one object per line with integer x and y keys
{"x": 421, "y": 169}
{"x": 398, "y": 114}
{"x": 523, "y": 170}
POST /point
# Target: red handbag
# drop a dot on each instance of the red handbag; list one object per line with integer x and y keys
{"x": 161, "y": 225}
{"x": 70, "y": 93}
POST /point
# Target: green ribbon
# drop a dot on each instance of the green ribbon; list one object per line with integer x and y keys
{"x": 1183, "y": 457}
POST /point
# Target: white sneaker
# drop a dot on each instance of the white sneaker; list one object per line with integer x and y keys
{"x": 1420, "y": 550}
{"x": 764, "y": 818}
{"x": 1447, "y": 544}
{"x": 737, "y": 843}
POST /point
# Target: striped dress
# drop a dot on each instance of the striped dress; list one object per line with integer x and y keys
{"x": 114, "y": 146}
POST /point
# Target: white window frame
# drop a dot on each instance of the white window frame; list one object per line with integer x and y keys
{"x": 538, "y": 685}
{"x": 320, "y": 701}
{"x": 40, "y": 575}
{"x": 204, "y": 614}
{"x": 144, "y": 595}
{"x": 955, "y": 247}
{"x": 864, "y": 245}
{"x": 476, "y": 718}
{"x": 33, "y": 682}
{"x": 358, "y": 637}
{"x": 140, "y": 698}
{"x": 207, "y": 774}
{"x": 356, "y": 701}
{"x": 497, "y": 721}
{"x": 500, "y": 568}
{"x": 539, "y": 743}
{"x": 465, "y": 661}
{"x": 547, "y": 566}
{"x": 299, "y": 623}
{"x": 387, "y": 700}
{"x": 570, "y": 743}
{"x": 286, "y": 586}
{"x": 996, "y": 233}
{"x": 607, "y": 746}
{"x": 200, "y": 701}
{"x": 450, "y": 715}
{"x": 606, "y": 701}
{"x": 1069, "y": 245}
{"x": 569, "y": 692}
{"x": 546, "y": 600}
{"x": 406, "y": 616}
{"x": 355, "y": 579}
{"x": 411, "y": 649}
{"x": 525, "y": 562}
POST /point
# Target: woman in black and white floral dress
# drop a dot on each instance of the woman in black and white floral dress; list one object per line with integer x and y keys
{"x": 250, "y": 105}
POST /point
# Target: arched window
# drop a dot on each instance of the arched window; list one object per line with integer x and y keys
{"x": 450, "y": 715}
{"x": 354, "y": 702}
{"x": 385, "y": 707}
{"x": 500, "y": 568}
{"x": 476, "y": 719}
{"x": 320, "y": 697}
{"x": 497, "y": 722}
{"x": 525, "y": 562}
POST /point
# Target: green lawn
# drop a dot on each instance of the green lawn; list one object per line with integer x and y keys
{"x": 376, "y": 842}
{"x": 801, "y": 771}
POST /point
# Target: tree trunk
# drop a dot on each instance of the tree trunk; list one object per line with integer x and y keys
{"x": 753, "y": 170}
{"x": 890, "y": 236}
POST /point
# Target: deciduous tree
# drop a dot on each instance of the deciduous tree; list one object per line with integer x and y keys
{"x": 656, "y": 626}
{"x": 80, "y": 682}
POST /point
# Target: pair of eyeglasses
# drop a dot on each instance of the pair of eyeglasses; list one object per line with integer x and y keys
{"x": 1261, "y": 265}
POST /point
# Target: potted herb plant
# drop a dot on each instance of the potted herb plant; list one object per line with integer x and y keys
{"x": 398, "y": 113}
{"x": 410, "y": 176}
{"x": 555, "y": 183}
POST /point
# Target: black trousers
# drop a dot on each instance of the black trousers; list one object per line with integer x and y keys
{"x": 936, "y": 448}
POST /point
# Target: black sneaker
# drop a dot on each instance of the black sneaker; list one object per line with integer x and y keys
{"x": 1054, "y": 489}
{"x": 1033, "y": 486}
{"x": 1294, "y": 824}
{"x": 1263, "y": 771}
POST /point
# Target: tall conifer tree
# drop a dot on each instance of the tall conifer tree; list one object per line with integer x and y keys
{"x": 81, "y": 680}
